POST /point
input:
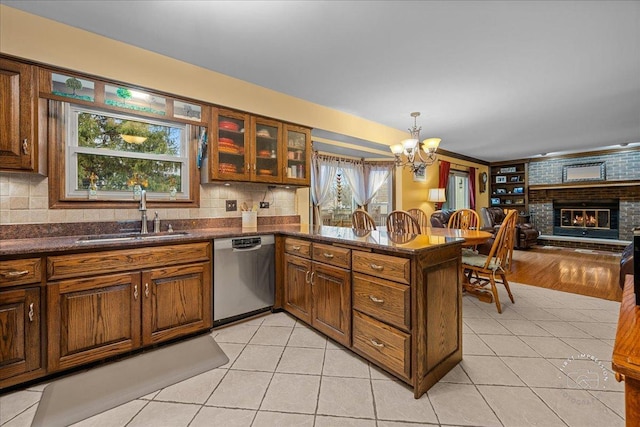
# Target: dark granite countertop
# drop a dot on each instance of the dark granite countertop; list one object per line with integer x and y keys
{"x": 377, "y": 239}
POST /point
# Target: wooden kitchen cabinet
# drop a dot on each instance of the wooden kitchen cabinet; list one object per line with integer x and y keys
{"x": 318, "y": 290}
{"x": 297, "y": 140}
{"x": 92, "y": 319}
{"x": 20, "y": 349}
{"x": 99, "y": 306}
{"x": 251, "y": 148}
{"x": 19, "y": 150}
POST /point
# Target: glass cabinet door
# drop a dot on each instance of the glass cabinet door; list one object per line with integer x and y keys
{"x": 298, "y": 143}
{"x": 230, "y": 150}
{"x": 267, "y": 153}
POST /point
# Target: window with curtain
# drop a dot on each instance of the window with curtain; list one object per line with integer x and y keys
{"x": 457, "y": 190}
{"x": 355, "y": 184}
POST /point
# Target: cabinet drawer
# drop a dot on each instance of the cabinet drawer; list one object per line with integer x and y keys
{"x": 20, "y": 272}
{"x": 334, "y": 255}
{"x": 65, "y": 266}
{"x": 385, "y": 266}
{"x": 387, "y": 345}
{"x": 297, "y": 247}
{"x": 382, "y": 299}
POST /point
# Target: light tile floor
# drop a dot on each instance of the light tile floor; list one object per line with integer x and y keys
{"x": 519, "y": 369}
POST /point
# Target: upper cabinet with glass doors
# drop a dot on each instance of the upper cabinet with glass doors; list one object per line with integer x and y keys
{"x": 267, "y": 150}
{"x": 298, "y": 151}
{"x": 257, "y": 149}
{"x": 230, "y": 152}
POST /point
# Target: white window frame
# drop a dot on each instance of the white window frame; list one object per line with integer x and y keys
{"x": 73, "y": 149}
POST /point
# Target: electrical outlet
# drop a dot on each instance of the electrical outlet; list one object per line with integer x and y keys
{"x": 264, "y": 205}
{"x": 232, "y": 205}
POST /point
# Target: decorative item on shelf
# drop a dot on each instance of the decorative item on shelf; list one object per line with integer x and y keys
{"x": 515, "y": 179}
{"x": 137, "y": 182}
{"x": 508, "y": 169}
{"x": 418, "y": 154}
{"x": 495, "y": 201}
{"x": 93, "y": 187}
{"x": 501, "y": 179}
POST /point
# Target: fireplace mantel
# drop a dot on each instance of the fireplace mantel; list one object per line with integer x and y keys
{"x": 590, "y": 184}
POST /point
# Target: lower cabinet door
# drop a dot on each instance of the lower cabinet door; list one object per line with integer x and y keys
{"x": 92, "y": 319}
{"x": 20, "y": 332}
{"x": 297, "y": 292}
{"x": 331, "y": 289}
{"x": 176, "y": 301}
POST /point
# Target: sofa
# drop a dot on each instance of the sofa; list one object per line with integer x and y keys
{"x": 526, "y": 233}
{"x": 440, "y": 219}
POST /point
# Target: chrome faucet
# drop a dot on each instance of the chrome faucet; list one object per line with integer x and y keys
{"x": 143, "y": 209}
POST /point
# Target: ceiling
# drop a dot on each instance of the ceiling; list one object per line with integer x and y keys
{"x": 496, "y": 80}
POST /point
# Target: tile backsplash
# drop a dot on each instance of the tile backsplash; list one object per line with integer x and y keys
{"x": 24, "y": 200}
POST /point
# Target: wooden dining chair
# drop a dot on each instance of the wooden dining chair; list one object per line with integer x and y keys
{"x": 400, "y": 221}
{"x": 420, "y": 216}
{"x": 464, "y": 219}
{"x": 361, "y": 220}
{"x": 482, "y": 270}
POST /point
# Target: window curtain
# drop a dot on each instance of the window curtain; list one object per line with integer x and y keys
{"x": 472, "y": 188}
{"x": 443, "y": 180}
{"x": 365, "y": 178}
{"x": 323, "y": 173}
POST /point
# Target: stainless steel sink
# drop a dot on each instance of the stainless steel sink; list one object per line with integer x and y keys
{"x": 103, "y": 238}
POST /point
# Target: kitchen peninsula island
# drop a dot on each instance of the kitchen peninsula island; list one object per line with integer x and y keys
{"x": 395, "y": 300}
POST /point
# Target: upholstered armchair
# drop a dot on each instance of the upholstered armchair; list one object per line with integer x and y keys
{"x": 526, "y": 233}
{"x": 440, "y": 219}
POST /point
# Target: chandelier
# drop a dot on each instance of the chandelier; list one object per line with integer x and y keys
{"x": 418, "y": 154}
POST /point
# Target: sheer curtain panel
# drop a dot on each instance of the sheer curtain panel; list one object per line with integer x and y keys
{"x": 323, "y": 173}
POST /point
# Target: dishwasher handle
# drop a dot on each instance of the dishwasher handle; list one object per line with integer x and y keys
{"x": 253, "y": 248}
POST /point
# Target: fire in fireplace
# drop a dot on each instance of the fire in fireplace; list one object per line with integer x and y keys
{"x": 594, "y": 218}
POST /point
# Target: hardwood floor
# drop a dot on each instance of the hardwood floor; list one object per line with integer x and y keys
{"x": 585, "y": 273}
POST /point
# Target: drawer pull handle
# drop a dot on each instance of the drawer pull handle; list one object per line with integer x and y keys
{"x": 376, "y": 300}
{"x": 295, "y": 248}
{"x": 327, "y": 255}
{"x": 376, "y": 267}
{"x": 135, "y": 292}
{"x": 306, "y": 276}
{"x": 311, "y": 280}
{"x": 146, "y": 290}
{"x": 377, "y": 344}
{"x": 25, "y": 147}
{"x": 31, "y": 312}
{"x": 14, "y": 274}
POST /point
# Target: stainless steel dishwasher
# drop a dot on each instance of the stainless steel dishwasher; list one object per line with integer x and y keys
{"x": 243, "y": 277}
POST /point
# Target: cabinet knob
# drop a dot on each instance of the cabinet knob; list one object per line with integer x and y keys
{"x": 135, "y": 292}
{"x": 25, "y": 147}
{"x": 146, "y": 290}
{"x": 31, "y": 312}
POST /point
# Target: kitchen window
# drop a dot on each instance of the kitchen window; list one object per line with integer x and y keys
{"x": 112, "y": 156}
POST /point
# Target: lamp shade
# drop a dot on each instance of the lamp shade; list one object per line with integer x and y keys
{"x": 436, "y": 195}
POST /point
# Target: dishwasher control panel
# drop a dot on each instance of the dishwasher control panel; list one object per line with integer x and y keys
{"x": 245, "y": 243}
